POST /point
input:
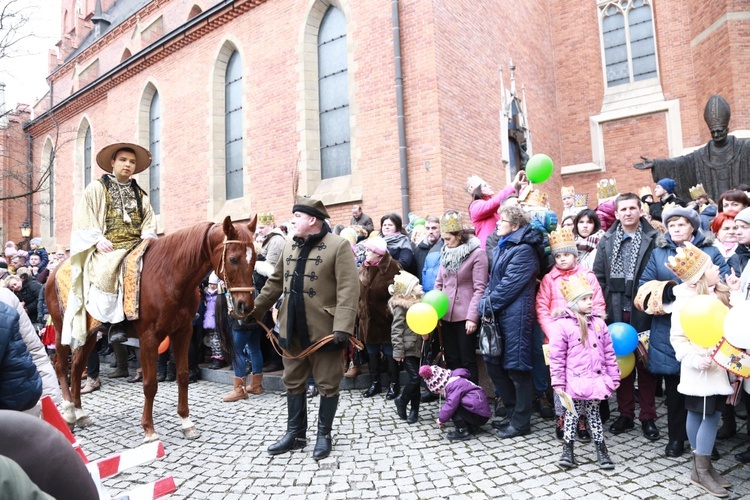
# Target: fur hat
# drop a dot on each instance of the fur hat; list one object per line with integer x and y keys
{"x": 668, "y": 184}
{"x": 107, "y": 154}
{"x": 435, "y": 377}
{"x": 311, "y": 207}
{"x": 376, "y": 244}
{"x": 674, "y": 210}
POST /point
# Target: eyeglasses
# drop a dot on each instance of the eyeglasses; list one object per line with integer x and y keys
{"x": 504, "y": 220}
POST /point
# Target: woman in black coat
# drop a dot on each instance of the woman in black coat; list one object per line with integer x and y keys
{"x": 511, "y": 296}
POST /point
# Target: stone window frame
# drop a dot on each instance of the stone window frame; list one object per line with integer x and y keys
{"x": 218, "y": 206}
{"x": 335, "y": 190}
{"x": 79, "y": 160}
{"x": 47, "y": 196}
{"x": 150, "y": 89}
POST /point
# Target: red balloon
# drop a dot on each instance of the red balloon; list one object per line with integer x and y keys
{"x": 164, "y": 345}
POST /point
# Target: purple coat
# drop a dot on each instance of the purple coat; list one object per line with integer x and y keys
{"x": 587, "y": 372}
{"x": 209, "y": 320}
{"x": 461, "y": 391}
{"x": 465, "y": 287}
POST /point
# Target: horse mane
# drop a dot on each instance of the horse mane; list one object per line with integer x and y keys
{"x": 186, "y": 247}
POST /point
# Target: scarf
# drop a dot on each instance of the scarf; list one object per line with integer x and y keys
{"x": 588, "y": 244}
{"x": 620, "y": 270}
{"x": 395, "y": 241}
{"x": 452, "y": 258}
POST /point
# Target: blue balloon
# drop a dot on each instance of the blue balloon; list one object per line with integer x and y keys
{"x": 624, "y": 338}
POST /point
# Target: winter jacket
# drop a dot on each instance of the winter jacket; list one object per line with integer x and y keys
{"x": 484, "y": 214}
{"x": 465, "y": 287}
{"x": 29, "y": 295}
{"x": 657, "y": 207}
{"x": 661, "y": 356}
{"x": 43, "y": 257}
{"x": 50, "y": 384}
{"x": 587, "y": 372}
{"x": 461, "y": 391}
{"x": 708, "y": 214}
{"x": 602, "y": 268}
{"x": 374, "y": 314}
{"x": 739, "y": 260}
{"x": 41, "y": 308}
{"x": 549, "y": 298}
{"x": 428, "y": 262}
{"x": 20, "y": 382}
{"x": 405, "y": 342}
{"x": 401, "y": 249}
{"x": 693, "y": 380}
{"x": 320, "y": 275}
{"x": 209, "y": 320}
{"x": 511, "y": 294}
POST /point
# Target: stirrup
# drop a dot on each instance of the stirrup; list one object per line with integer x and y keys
{"x": 117, "y": 333}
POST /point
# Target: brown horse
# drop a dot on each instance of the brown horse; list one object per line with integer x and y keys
{"x": 173, "y": 267}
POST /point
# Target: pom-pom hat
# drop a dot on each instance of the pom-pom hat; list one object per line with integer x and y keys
{"x": 435, "y": 377}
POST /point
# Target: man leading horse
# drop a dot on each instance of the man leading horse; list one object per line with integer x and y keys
{"x": 110, "y": 220}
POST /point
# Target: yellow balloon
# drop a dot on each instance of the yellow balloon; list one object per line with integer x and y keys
{"x": 421, "y": 318}
{"x": 702, "y": 319}
{"x": 626, "y": 364}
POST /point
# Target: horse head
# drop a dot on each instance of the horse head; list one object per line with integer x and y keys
{"x": 233, "y": 259}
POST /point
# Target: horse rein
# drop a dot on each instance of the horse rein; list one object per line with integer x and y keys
{"x": 221, "y": 272}
{"x": 309, "y": 350}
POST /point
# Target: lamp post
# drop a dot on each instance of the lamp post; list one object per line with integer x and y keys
{"x": 26, "y": 233}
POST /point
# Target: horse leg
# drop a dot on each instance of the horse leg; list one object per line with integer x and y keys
{"x": 80, "y": 358}
{"x": 180, "y": 346}
{"x": 149, "y": 355}
{"x": 61, "y": 369}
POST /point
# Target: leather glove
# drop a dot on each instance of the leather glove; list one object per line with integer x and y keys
{"x": 339, "y": 337}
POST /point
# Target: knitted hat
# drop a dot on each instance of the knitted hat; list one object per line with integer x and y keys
{"x": 668, "y": 184}
{"x": 689, "y": 264}
{"x": 563, "y": 240}
{"x": 107, "y": 154}
{"x": 743, "y": 215}
{"x": 36, "y": 241}
{"x": 435, "y": 377}
{"x": 376, "y": 244}
{"x": 311, "y": 207}
{"x": 575, "y": 288}
{"x": 674, "y": 210}
{"x": 213, "y": 279}
{"x": 403, "y": 283}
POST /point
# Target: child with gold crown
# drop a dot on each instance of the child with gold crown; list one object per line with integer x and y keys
{"x": 704, "y": 383}
{"x": 583, "y": 367}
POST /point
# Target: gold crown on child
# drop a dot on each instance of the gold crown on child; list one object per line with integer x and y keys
{"x": 575, "y": 287}
{"x": 697, "y": 191}
{"x": 562, "y": 238}
{"x": 567, "y": 191}
{"x": 645, "y": 191}
{"x": 689, "y": 264}
{"x": 532, "y": 197}
{"x": 606, "y": 188}
{"x": 403, "y": 283}
{"x": 266, "y": 218}
{"x": 451, "y": 223}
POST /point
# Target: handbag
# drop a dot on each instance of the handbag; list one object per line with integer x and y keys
{"x": 359, "y": 357}
{"x": 490, "y": 341}
{"x": 429, "y": 356}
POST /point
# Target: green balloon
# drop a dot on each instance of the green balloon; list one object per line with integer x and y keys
{"x": 439, "y": 300}
{"x": 539, "y": 168}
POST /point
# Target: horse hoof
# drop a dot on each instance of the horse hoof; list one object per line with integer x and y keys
{"x": 150, "y": 439}
{"x": 71, "y": 426}
{"x": 84, "y": 422}
{"x": 191, "y": 433}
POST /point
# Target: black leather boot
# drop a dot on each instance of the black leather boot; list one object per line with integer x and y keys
{"x": 393, "y": 384}
{"x": 602, "y": 455}
{"x": 296, "y": 426}
{"x": 567, "y": 459}
{"x": 414, "y": 412}
{"x": 325, "y": 423}
{"x": 374, "y": 366}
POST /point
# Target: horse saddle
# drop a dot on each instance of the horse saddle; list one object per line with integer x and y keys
{"x": 130, "y": 273}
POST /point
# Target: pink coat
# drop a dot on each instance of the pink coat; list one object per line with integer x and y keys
{"x": 465, "y": 287}
{"x": 587, "y": 372}
{"x": 549, "y": 298}
{"x": 484, "y": 214}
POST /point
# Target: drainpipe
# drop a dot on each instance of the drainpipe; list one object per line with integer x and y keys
{"x": 400, "y": 112}
{"x": 29, "y": 180}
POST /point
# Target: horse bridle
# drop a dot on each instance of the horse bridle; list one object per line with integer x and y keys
{"x": 221, "y": 273}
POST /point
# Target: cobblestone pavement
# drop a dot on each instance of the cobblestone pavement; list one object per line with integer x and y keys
{"x": 375, "y": 455}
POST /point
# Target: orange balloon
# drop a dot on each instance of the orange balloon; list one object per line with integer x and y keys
{"x": 164, "y": 345}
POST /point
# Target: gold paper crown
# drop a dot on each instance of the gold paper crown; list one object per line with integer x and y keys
{"x": 689, "y": 264}
{"x": 645, "y": 191}
{"x": 575, "y": 287}
{"x": 403, "y": 283}
{"x": 697, "y": 191}
{"x": 606, "y": 188}
{"x": 266, "y": 219}
{"x": 451, "y": 223}
{"x": 581, "y": 201}
{"x": 561, "y": 239}
{"x": 668, "y": 207}
{"x": 566, "y": 191}
{"x": 534, "y": 197}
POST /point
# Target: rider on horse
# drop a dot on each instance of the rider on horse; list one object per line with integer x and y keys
{"x": 110, "y": 220}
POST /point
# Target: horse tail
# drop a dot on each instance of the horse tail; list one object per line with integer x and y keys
{"x": 222, "y": 328}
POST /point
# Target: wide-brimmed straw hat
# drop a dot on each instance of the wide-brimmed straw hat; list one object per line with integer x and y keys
{"x": 106, "y": 155}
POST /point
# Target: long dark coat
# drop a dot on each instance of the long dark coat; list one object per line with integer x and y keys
{"x": 375, "y": 316}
